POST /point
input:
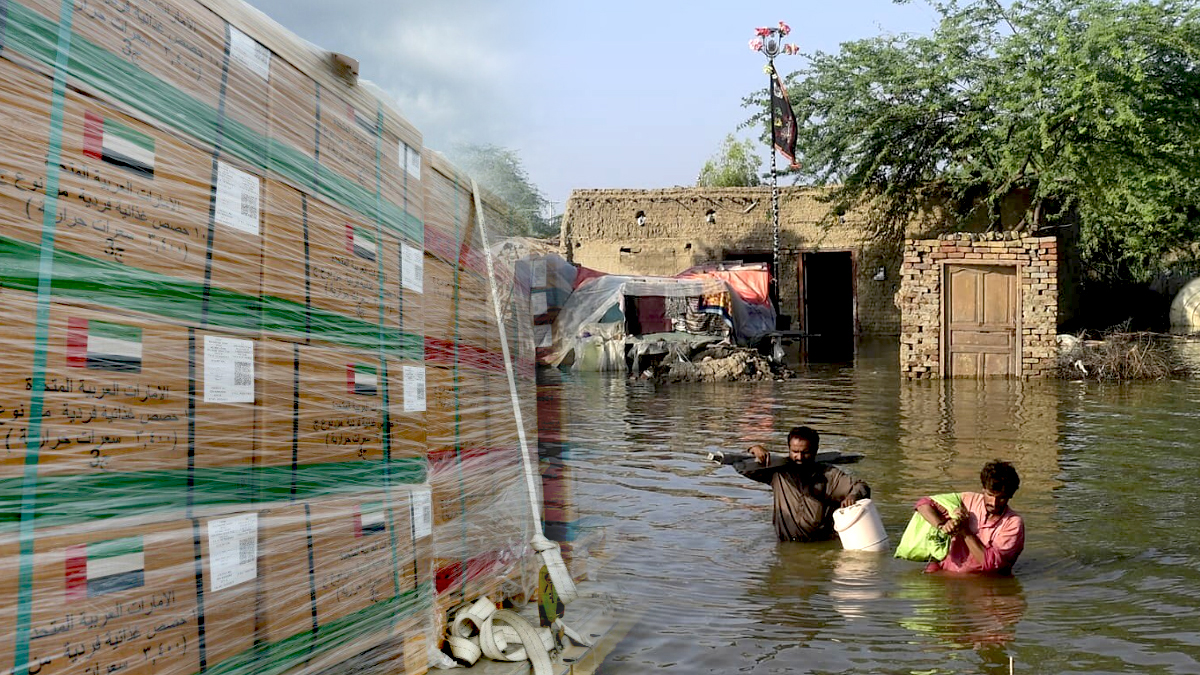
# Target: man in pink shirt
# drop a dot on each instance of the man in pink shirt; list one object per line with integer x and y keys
{"x": 987, "y": 534}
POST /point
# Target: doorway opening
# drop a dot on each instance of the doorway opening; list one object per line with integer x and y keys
{"x": 828, "y": 305}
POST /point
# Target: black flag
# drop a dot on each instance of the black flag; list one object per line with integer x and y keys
{"x": 784, "y": 133}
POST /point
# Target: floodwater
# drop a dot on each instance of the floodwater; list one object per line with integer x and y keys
{"x": 1109, "y": 581}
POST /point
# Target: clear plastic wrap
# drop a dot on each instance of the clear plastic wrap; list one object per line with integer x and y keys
{"x": 254, "y": 412}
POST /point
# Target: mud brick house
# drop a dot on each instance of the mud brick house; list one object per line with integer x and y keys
{"x": 834, "y": 280}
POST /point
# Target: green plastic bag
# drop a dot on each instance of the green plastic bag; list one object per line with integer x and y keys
{"x": 922, "y": 541}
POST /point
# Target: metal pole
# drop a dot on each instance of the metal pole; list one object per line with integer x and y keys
{"x": 774, "y": 194}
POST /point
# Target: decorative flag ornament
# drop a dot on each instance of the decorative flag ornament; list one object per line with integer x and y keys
{"x": 769, "y": 41}
{"x": 784, "y": 133}
{"x": 782, "y": 124}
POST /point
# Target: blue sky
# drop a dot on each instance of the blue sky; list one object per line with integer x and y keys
{"x": 613, "y": 94}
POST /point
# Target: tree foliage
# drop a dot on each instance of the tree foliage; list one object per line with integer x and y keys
{"x": 499, "y": 170}
{"x": 734, "y": 165}
{"x": 1089, "y": 109}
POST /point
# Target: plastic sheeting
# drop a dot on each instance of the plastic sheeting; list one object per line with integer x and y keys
{"x": 592, "y": 324}
{"x": 253, "y": 411}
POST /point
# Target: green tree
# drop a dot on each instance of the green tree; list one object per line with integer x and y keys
{"x": 499, "y": 170}
{"x": 734, "y": 165}
{"x": 1090, "y": 109}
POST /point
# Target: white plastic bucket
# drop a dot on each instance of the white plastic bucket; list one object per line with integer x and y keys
{"x": 860, "y": 527}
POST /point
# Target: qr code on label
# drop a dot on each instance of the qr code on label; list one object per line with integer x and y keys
{"x": 249, "y": 205}
{"x": 247, "y": 551}
{"x": 243, "y": 374}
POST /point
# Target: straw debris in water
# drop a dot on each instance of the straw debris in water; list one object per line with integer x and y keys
{"x": 1120, "y": 356}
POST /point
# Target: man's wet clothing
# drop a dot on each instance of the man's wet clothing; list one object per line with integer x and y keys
{"x": 806, "y": 495}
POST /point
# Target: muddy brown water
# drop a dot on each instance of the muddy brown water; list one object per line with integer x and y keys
{"x": 1109, "y": 581}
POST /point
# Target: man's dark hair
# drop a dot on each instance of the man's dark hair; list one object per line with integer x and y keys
{"x": 1000, "y": 478}
{"x": 807, "y": 434}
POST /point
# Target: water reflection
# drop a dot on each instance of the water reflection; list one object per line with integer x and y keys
{"x": 970, "y": 611}
{"x": 855, "y": 585}
{"x": 1109, "y": 580}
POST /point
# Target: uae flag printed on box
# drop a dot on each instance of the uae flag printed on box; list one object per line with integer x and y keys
{"x": 105, "y": 567}
{"x": 360, "y": 243}
{"x": 368, "y": 519}
{"x": 365, "y": 123}
{"x": 361, "y": 380}
{"x": 101, "y": 345}
{"x": 117, "y": 144}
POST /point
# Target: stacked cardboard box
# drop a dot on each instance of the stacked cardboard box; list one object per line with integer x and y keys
{"x": 211, "y": 263}
{"x": 482, "y": 521}
{"x": 229, "y": 275}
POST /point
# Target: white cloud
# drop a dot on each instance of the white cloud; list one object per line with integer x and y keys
{"x": 453, "y": 68}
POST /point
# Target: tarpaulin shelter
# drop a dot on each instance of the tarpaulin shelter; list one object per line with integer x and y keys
{"x": 719, "y": 302}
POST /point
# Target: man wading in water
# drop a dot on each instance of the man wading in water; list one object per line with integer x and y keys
{"x": 988, "y": 536}
{"x": 807, "y": 492}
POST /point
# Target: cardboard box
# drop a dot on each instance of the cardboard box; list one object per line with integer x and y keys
{"x": 323, "y": 405}
{"x": 340, "y": 590}
{"x": 292, "y": 125}
{"x": 324, "y": 264}
{"x": 448, "y": 206}
{"x": 132, "y": 199}
{"x": 346, "y": 149}
{"x": 458, "y": 406}
{"x": 125, "y": 597}
{"x": 285, "y": 607}
{"x": 183, "y": 44}
{"x": 116, "y": 390}
{"x": 322, "y": 257}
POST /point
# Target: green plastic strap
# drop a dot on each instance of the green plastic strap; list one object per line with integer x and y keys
{"x": 4, "y": 34}
{"x": 32, "y": 34}
{"x": 66, "y": 500}
{"x": 385, "y": 411}
{"x": 45, "y": 275}
{"x": 82, "y": 278}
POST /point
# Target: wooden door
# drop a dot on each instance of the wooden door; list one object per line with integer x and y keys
{"x": 982, "y": 321}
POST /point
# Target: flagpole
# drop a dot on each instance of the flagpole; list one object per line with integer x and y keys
{"x": 774, "y": 194}
{"x": 769, "y": 42}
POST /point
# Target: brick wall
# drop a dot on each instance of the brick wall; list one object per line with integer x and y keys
{"x": 920, "y": 296}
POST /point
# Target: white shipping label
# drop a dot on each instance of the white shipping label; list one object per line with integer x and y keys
{"x": 232, "y": 550}
{"x": 538, "y": 273}
{"x": 414, "y": 389}
{"x": 228, "y": 370}
{"x": 537, "y": 303}
{"x": 413, "y": 264}
{"x": 410, "y": 159}
{"x": 246, "y": 51}
{"x": 237, "y": 198}
{"x": 422, "y": 505}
